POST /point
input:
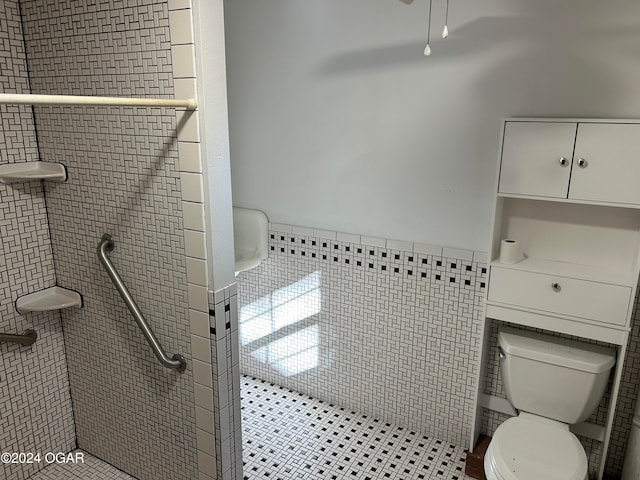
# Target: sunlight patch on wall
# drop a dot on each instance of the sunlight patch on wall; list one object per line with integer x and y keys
{"x": 266, "y": 326}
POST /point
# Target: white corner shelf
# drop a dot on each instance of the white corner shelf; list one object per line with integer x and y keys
{"x": 246, "y": 260}
{"x": 28, "y": 171}
{"x": 53, "y": 298}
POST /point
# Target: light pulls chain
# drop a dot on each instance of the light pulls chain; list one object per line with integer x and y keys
{"x": 445, "y": 30}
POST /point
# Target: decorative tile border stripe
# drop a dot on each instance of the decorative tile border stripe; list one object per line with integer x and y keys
{"x": 367, "y": 241}
{"x": 440, "y": 264}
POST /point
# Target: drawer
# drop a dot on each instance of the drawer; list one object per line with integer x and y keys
{"x": 601, "y": 302}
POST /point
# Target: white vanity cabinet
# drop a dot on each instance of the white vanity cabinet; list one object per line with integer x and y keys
{"x": 582, "y": 160}
{"x": 569, "y": 193}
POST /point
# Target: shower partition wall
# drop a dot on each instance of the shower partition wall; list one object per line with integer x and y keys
{"x": 124, "y": 177}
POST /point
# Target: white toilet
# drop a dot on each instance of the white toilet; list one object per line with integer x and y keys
{"x": 552, "y": 382}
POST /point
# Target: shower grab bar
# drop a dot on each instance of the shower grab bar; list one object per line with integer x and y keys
{"x": 28, "y": 337}
{"x": 177, "y": 362}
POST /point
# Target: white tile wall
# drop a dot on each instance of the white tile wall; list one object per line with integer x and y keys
{"x": 35, "y": 405}
{"x": 124, "y": 178}
{"x": 192, "y": 187}
{"x": 193, "y": 216}
{"x": 372, "y": 328}
{"x": 226, "y": 384}
{"x": 184, "y": 63}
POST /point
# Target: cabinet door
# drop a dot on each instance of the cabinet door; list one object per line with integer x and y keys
{"x": 606, "y": 164}
{"x": 531, "y": 158}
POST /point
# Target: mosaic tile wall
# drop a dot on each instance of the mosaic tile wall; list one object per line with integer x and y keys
{"x": 124, "y": 179}
{"x": 371, "y": 329}
{"x": 226, "y": 383}
{"x": 380, "y": 329}
{"x": 35, "y": 406}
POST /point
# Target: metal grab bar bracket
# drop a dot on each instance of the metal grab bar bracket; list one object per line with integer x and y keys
{"x": 26, "y": 338}
{"x": 177, "y": 362}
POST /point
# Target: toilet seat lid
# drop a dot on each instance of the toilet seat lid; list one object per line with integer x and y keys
{"x": 530, "y": 448}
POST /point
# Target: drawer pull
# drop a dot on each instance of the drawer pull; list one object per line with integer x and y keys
{"x": 555, "y": 286}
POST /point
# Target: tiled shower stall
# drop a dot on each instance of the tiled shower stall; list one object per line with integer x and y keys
{"x": 90, "y": 381}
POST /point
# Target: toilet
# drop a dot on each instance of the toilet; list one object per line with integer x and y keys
{"x": 553, "y": 383}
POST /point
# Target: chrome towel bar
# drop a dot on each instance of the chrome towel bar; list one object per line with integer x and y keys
{"x": 28, "y": 337}
{"x": 177, "y": 362}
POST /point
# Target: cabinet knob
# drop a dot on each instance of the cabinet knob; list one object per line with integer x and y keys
{"x": 582, "y": 163}
{"x": 563, "y": 161}
{"x": 555, "y": 286}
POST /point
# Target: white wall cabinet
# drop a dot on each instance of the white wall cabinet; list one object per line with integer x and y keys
{"x": 569, "y": 192}
{"x": 582, "y": 161}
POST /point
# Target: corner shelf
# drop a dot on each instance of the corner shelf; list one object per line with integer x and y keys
{"x": 28, "y": 171}
{"x": 246, "y": 260}
{"x": 53, "y": 298}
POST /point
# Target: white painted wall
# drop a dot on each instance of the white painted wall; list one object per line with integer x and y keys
{"x": 338, "y": 121}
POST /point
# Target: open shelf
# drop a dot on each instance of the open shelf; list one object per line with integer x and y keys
{"x": 568, "y": 200}
{"x": 53, "y": 298}
{"x": 28, "y": 171}
{"x": 591, "y": 242}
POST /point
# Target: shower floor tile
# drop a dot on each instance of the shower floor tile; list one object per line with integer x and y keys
{"x": 91, "y": 469}
{"x": 288, "y": 435}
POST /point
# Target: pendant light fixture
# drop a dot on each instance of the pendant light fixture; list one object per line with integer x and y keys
{"x": 445, "y": 30}
{"x": 427, "y": 49}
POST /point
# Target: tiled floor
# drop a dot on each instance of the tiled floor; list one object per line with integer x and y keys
{"x": 91, "y": 469}
{"x": 287, "y": 435}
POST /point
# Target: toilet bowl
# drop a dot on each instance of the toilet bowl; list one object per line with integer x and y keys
{"x": 552, "y": 382}
{"x": 528, "y": 447}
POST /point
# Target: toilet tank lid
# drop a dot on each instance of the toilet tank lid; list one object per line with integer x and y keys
{"x": 565, "y": 352}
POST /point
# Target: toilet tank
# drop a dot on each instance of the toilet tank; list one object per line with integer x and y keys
{"x": 553, "y": 377}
